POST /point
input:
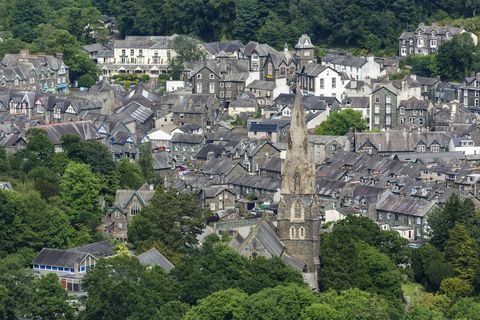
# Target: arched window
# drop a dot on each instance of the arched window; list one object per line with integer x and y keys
{"x": 301, "y": 233}
{"x": 297, "y": 211}
{"x": 135, "y": 209}
{"x": 293, "y": 233}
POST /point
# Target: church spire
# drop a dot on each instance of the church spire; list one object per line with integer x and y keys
{"x": 298, "y": 170}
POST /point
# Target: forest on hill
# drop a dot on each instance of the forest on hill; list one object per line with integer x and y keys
{"x": 370, "y": 24}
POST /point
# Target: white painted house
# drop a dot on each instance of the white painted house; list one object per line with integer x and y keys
{"x": 465, "y": 145}
{"x": 357, "y": 68}
{"x": 322, "y": 81}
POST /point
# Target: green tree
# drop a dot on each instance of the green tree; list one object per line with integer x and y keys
{"x": 188, "y": 51}
{"x": 348, "y": 304}
{"x": 129, "y": 173}
{"x": 339, "y": 123}
{"x": 38, "y": 151}
{"x": 430, "y": 267}
{"x": 175, "y": 219}
{"x": 454, "y": 211}
{"x": 367, "y": 269}
{"x": 146, "y": 162}
{"x": 122, "y": 288}
{"x": 215, "y": 267}
{"x": 16, "y": 286}
{"x": 79, "y": 191}
{"x": 247, "y": 19}
{"x": 25, "y": 16}
{"x": 220, "y": 305}
{"x": 276, "y": 32}
{"x": 466, "y": 308}
{"x": 456, "y": 58}
{"x": 49, "y": 300}
{"x": 11, "y": 45}
{"x": 173, "y": 310}
{"x": 45, "y": 181}
{"x": 420, "y": 313}
{"x": 463, "y": 253}
{"x": 456, "y": 287}
{"x": 289, "y": 301}
{"x": 424, "y": 66}
{"x": 11, "y": 224}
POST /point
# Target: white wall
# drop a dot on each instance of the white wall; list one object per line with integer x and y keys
{"x": 280, "y": 87}
{"x": 174, "y": 85}
{"x": 328, "y": 90}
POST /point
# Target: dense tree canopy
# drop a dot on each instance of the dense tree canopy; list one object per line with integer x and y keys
{"x": 339, "y": 123}
{"x": 175, "y": 219}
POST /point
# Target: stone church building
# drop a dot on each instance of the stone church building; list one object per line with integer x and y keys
{"x": 295, "y": 235}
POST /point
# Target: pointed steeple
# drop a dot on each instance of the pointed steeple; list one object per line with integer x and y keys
{"x": 298, "y": 171}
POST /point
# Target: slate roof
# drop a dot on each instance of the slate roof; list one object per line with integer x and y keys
{"x": 265, "y": 232}
{"x": 97, "y": 249}
{"x": 262, "y": 85}
{"x": 215, "y": 149}
{"x": 262, "y": 49}
{"x": 274, "y": 165}
{"x": 59, "y": 258}
{"x": 426, "y": 81}
{"x": 188, "y": 138}
{"x": 86, "y": 130}
{"x": 123, "y": 197}
{"x": 304, "y": 42}
{"x": 161, "y": 161}
{"x": 231, "y": 46}
{"x": 252, "y": 181}
{"x": 313, "y": 69}
{"x": 413, "y": 206}
{"x": 399, "y": 140}
{"x": 344, "y": 59}
{"x": 357, "y": 102}
{"x": 145, "y": 42}
{"x": 414, "y": 104}
{"x": 309, "y": 102}
{"x": 153, "y": 257}
{"x": 218, "y": 166}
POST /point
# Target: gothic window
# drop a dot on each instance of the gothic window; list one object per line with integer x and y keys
{"x": 301, "y": 233}
{"x": 293, "y": 233}
{"x": 135, "y": 209}
{"x": 297, "y": 211}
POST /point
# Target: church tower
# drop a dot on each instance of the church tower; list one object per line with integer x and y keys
{"x": 298, "y": 219}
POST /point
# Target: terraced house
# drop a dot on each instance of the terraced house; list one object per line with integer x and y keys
{"x": 426, "y": 40}
{"x": 41, "y": 73}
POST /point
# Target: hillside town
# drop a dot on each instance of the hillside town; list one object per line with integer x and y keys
{"x": 244, "y": 140}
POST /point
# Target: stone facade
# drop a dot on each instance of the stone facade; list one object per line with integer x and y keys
{"x": 469, "y": 92}
{"x": 383, "y": 115}
{"x": 40, "y": 73}
{"x": 427, "y": 39}
{"x": 299, "y": 213}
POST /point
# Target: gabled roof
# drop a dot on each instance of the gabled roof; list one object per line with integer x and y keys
{"x": 97, "y": 249}
{"x": 399, "y": 140}
{"x": 153, "y": 257}
{"x": 313, "y": 69}
{"x": 123, "y": 197}
{"x": 189, "y": 138}
{"x": 412, "y": 206}
{"x": 60, "y": 258}
{"x": 86, "y": 130}
{"x": 304, "y": 42}
{"x": 414, "y": 104}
